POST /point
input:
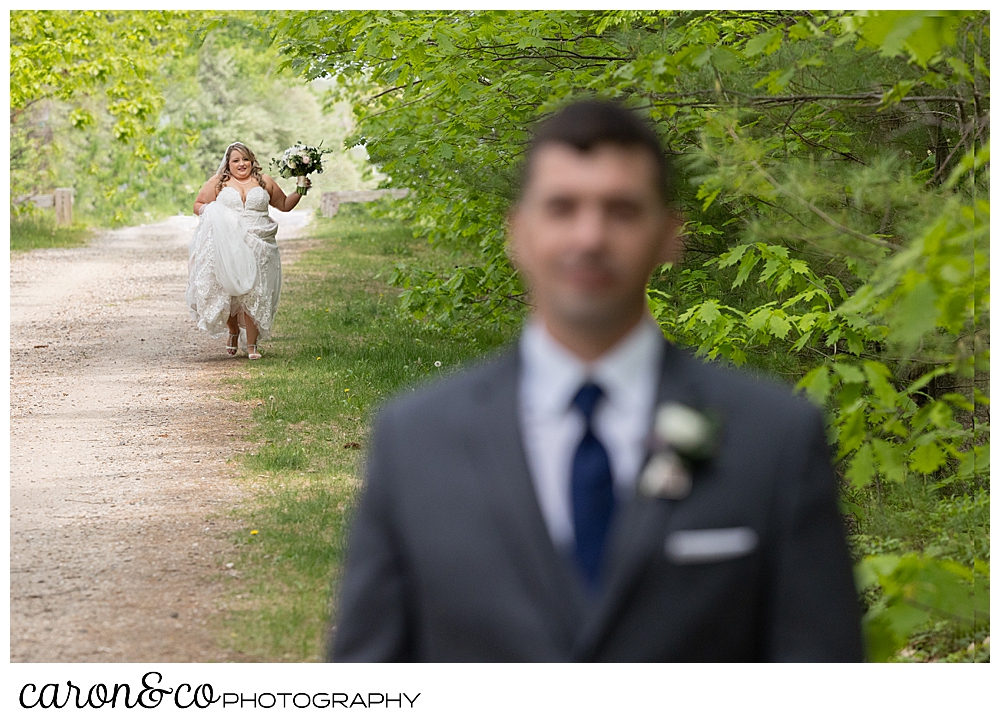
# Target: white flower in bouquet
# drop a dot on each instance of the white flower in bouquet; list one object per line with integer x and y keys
{"x": 300, "y": 160}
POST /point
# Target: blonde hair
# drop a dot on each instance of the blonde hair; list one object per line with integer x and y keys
{"x": 225, "y": 175}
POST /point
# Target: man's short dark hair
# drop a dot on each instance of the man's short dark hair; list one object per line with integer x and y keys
{"x": 584, "y": 125}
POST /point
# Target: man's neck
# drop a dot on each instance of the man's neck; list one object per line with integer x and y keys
{"x": 590, "y": 343}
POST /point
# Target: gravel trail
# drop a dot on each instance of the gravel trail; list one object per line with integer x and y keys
{"x": 119, "y": 435}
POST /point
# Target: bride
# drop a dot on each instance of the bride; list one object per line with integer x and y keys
{"x": 234, "y": 273}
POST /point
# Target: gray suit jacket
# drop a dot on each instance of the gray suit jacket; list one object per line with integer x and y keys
{"x": 450, "y": 558}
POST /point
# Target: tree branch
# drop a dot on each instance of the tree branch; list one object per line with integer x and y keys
{"x": 812, "y": 207}
{"x": 845, "y": 154}
{"x": 874, "y": 98}
{"x": 390, "y": 90}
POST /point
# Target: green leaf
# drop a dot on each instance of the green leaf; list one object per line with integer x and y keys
{"x": 803, "y": 30}
{"x": 897, "y": 92}
{"x": 816, "y": 384}
{"x": 960, "y": 68}
{"x": 849, "y": 373}
{"x": 848, "y": 395}
{"x": 876, "y": 374}
{"x": 865, "y": 575}
{"x": 861, "y": 470}
{"x": 725, "y": 59}
{"x": 888, "y": 30}
{"x": 776, "y": 81}
{"x": 881, "y": 640}
{"x": 915, "y": 314}
{"x": 709, "y": 196}
{"x": 855, "y": 344}
{"x": 732, "y": 256}
{"x": 905, "y": 618}
{"x": 766, "y": 43}
{"x": 927, "y": 458}
{"x": 778, "y": 324}
{"x": 747, "y": 265}
{"x": 891, "y": 460}
{"x": 757, "y": 321}
{"x": 981, "y": 455}
{"x": 853, "y": 431}
{"x": 701, "y": 57}
{"x": 80, "y": 118}
{"x": 708, "y": 312}
{"x": 935, "y": 33}
{"x": 960, "y": 401}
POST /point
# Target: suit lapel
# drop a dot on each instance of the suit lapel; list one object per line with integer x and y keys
{"x": 638, "y": 531}
{"x": 495, "y": 436}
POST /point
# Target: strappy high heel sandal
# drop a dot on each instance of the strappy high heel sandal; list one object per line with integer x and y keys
{"x": 252, "y": 352}
{"x": 231, "y": 341}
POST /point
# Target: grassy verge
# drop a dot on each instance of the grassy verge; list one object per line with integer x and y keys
{"x": 339, "y": 348}
{"x": 41, "y": 232}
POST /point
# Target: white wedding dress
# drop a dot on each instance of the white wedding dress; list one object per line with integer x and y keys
{"x": 233, "y": 264}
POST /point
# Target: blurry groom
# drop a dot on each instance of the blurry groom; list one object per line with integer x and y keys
{"x": 595, "y": 493}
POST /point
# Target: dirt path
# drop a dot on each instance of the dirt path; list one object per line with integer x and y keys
{"x": 119, "y": 437}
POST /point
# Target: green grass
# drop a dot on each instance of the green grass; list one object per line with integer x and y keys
{"x": 339, "y": 348}
{"x": 41, "y": 232}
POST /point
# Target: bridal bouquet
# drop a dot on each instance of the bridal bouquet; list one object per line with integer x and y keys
{"x": 300, "y": 160}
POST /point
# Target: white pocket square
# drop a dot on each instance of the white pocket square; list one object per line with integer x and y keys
{"x": 687, "y": 547}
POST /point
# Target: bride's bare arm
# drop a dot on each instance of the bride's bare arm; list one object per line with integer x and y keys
{"x": 278, "y": 198}
{"x": 206, "y": 195}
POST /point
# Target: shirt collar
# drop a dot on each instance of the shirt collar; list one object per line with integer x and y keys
{"x": 553, "y": 374}
{"x": 632, "y": 361}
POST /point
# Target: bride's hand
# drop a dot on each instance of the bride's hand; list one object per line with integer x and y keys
{"x": 308, "y": 183}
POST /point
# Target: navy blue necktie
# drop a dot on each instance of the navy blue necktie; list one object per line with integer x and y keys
{"x": 591, "y": 489}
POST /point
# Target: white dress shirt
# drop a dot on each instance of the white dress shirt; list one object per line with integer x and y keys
{"x": 552, "y": 427}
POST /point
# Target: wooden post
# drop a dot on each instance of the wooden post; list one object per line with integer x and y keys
{"x": 64, "y": 206}
{"x": 329, "y": 204}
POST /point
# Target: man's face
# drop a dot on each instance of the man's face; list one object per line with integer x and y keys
{"x": 588, "y": 231}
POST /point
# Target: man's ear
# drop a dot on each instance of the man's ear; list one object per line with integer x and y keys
{"x": 671, "y": 239}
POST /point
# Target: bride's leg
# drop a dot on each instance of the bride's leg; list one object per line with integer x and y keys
{"x": 252, "y": 351}
{"x": 251, "y": 328}
{"x": 233, "y": 325}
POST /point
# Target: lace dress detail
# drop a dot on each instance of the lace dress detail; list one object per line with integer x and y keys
{"x": 209, "y": 303}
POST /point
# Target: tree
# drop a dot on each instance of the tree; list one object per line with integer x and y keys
{"x": 69, "y": 56}
{"x": 835, "y": 188}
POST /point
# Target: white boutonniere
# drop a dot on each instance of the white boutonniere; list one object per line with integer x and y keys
{"x": 681, "y": 438}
